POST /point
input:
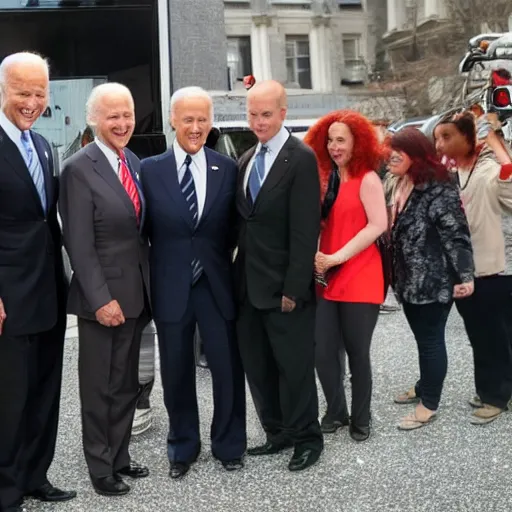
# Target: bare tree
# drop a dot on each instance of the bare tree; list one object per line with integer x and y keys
{"x": 426, "y": 72}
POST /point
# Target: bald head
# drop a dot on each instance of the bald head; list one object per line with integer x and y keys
{"x": 266, "y": 109}
{"x": 111, "y": 112}
{"x": 270, "y": 89}
{"x": 24, "y": 85}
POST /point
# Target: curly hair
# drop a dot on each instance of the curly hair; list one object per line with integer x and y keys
{"x": 366, "y": 154}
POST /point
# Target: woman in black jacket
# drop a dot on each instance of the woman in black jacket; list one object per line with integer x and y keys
{"x": 433, "y": 261}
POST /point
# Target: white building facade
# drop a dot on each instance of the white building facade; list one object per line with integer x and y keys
{"x": 316, "y": 45}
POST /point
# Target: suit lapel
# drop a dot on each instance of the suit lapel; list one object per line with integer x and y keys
{"x": 44, "y": 159}
{"x": 243, "y": 205}
{"x": 214, "y": 179}
{"x": 12, "y": 155}
{"x": 104, "y": 169}
{"x": 169, "y": 176}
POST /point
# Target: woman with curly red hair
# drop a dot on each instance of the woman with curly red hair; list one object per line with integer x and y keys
{"x": 354, "y": 216}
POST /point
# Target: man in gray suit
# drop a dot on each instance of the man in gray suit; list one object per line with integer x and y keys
{"x": 102, "y": 209}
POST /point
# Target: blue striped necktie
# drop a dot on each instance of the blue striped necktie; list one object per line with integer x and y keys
{"x": 188, "y": 189}
{"x": 34, "y": 167}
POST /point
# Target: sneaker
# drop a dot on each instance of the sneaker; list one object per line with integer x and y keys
{"x": 142, "y": 421}
{"x": 485, "y": 414}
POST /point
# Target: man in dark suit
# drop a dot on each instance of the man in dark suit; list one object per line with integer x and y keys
{"x": 103, "y": 212}
{"x": 278, "y": 201}
{"x": 32, "y": 289}
{"x": 190, "y": 193}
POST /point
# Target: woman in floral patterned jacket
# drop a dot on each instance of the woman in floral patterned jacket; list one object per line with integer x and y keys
{"x": 433, "y": 261}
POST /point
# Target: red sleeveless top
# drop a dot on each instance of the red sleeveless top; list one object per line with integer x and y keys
{"x": 361, "y": 278}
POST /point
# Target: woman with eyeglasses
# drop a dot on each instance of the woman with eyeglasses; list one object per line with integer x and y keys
{"x": 354, "y": 216}
{"x": 486, "y": 190}
{"x": 433, "y": 261}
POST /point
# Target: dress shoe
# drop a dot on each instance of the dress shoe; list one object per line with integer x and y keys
{"x": 359, "y": 433}
{"x": 233, "y": 465}
{"x": 134, "y": 470}
{"x": 330, "y": 425}
{"x": 269, "y": 448}
{"x": 47, "y": 492}
{"x": 303, "y": 459}
{"x": 110, "y": 486}
{"x": 179, "y": 469}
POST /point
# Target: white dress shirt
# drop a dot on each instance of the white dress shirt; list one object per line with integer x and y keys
{"x": 274, "y": 146}
{"x": 14, "y": 133}
{"x": 112, "y": 156}
{"x": 198, "y": 168}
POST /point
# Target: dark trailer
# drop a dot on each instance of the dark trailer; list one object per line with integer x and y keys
{"x": 88, "y": 42}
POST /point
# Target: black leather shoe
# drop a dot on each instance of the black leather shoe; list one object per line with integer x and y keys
{"x": 233, "y": 465}
{"x": 269, "y": 448}
{"x": 179, "y": 469}
{"x": 134, "y": 470}
{"x": 303, "y": 460}
{"x": 47, "y": 492}
{"x": 110, "y": 486}
{"x": 359, "y": 433}
{"x": 329, "y": 425}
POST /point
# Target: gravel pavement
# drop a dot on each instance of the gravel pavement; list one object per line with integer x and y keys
{"x": 447, "y": 466}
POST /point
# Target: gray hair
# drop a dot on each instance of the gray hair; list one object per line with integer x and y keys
{"x": 98, "y": 93}
{"x": 191, "y": 92}
{"x": 21, "y": 58}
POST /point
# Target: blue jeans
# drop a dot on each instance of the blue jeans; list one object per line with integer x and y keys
{"x": 428, "y": 323}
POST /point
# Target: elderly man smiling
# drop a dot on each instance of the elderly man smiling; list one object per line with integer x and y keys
{"x": 103, "y": 210}
{"x": 32, "y": 289}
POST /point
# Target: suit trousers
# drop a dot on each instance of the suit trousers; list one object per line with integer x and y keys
{"x": 108, "y": 372}
{"x": 178, "y": 368}
{"x": 487, "y": 316}
{"x": 278, "y": 353}
{"x": 349, "y": 325}
{"x": 30, "y": 383}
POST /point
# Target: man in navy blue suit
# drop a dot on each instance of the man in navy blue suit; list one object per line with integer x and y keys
{"x": 190, "y": 195}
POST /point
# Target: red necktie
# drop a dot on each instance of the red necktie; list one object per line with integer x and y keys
{"x": 129, "y": 185}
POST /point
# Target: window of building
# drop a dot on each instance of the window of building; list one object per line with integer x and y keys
{"x": 297, "y": 61}
{"x": 351, "y": 48}
{"x": 239, "y": 58}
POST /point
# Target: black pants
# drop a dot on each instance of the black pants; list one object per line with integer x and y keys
{"x": 108, "y": 373}
{"x": 30, "y": 382}
{"x": 487, "y": 316}
{"x": 350, "y": 325}
{"x": 428, "y": 324}
{"x": 277, "y": 351}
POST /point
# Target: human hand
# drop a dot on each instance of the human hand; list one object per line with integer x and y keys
{"x": 3, "y": 316}
{"x": 110, "y": 315}
{"x": 464, "y": 290}
{"x": 287, "y": 304}
{"x": 323, "y": 262}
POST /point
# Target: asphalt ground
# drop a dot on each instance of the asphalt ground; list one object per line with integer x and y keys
{"x": 447, "y": 466}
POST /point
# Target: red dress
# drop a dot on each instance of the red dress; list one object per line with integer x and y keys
{"x": 361, "y": 278}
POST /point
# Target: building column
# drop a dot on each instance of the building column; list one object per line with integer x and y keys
{"x": 319, "y": 54}
{"x": 392, "y": 15}
{"x": 260, "y": 47}
{"x": 431, "y": 8}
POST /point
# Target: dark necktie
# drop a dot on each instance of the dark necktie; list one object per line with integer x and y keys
{"x": 188, "y": 189}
